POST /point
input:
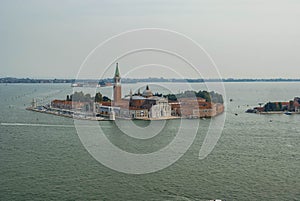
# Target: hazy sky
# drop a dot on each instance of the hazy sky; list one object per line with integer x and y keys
{"x": 245, "y": 38}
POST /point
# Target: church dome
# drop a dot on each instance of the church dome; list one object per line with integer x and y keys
{"x": 147, "y": 92}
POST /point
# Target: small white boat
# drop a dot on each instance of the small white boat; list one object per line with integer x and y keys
{"x": 288, "y": 113}
{"x": 76, "y": 85}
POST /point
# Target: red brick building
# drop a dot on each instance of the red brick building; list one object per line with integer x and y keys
{"x": 195, "y": 107}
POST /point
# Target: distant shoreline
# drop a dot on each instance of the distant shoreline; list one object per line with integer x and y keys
{"x": 276, "y": 112}
{"x": 10, "y": 80}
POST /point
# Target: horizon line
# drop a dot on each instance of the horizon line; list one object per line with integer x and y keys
{"x": 149, "y": 79}
{"x": 132, "y": 78}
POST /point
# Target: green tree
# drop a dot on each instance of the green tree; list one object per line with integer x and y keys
{"x": 205, "y": 95}
{"x": 87, "y": 97}
{"x": 98, "y": 97}
{"x": 106, "y": 99}
{"x": 80, "y": 96}
{"x": 270, "y": 107}
{"x": 171, "y": 97}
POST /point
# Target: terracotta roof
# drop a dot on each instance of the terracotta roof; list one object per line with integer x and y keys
{"x": 106, "y": 103}
{"x": 136, "y": 108}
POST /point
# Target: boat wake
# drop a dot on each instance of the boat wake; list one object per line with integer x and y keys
{"x": 36, "y": 125}
{"x": 49, "y": 125}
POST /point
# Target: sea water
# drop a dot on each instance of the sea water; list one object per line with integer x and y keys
{"x": 256, "y": 158}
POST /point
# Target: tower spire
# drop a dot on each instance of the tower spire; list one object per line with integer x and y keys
{"x": 117, "y": 85}
{"x": 117, "y": 72}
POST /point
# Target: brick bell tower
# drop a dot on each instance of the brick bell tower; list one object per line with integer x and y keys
{"x": 117, "y": 85}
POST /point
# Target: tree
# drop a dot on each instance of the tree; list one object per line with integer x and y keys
{"x": 205, "y": 95}
{"x": 98, "y": 97}
{"x": 106, "y": 99}
{"x": 270, "y": 107}
{"x": 78, "y": 96}
{"x": 171, "y": 97}
{"x": 208, "y": 96}
{"x": 87, "y": 97}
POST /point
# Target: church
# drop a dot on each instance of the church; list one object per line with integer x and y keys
{"x": 139, "y": 105}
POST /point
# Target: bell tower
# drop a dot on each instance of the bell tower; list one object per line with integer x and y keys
{"x": 117, "y": 85}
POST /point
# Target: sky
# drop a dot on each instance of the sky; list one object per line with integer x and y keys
{"x": 244, "y": 38}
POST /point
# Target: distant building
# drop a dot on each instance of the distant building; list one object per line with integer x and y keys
{"x": 107, "y": 110}
{"x": 195, "y": 108}
{"x": 156, "y": 107}
{"x": 296, "y": 104}
{"x": 160, "y": 109}
{"x": 68, "y": 105}
{"x": 285, "y": 105}
{"x": 138, "y": 113}
{"x": 290, "y": 106}
{"x": 144, "y": 105}
{"x": 75, "y": 105}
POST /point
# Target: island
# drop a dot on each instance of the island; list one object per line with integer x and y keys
{"x": 144, "y": 105}
{"x": 288, "y": 108}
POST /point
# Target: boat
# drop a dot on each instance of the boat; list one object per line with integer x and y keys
{"x": 288, "y": 113}
{"x": 76, "y": 85}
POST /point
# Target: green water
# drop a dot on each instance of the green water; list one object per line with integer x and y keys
{"x": 255, "y": 158}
